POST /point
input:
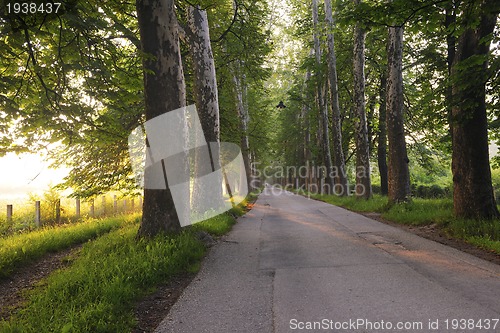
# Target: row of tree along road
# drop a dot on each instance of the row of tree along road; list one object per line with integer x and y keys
{"x": 440, "y": 94}
{"x": 86, "y": 76}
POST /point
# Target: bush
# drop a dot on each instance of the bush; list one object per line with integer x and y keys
{"x": 430, "y": 192}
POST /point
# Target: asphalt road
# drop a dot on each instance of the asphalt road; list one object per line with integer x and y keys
{"x": 298, "y": 265}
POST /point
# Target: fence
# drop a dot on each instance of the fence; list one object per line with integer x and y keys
{"x": 125, "y": 205}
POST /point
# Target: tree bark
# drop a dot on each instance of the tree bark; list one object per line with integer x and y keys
{"x": 307, "y": 126}
{"x": 338, "y": 153}
{"x": 451, "y": 40}
{"x": 363, "y": 181}
{"x": 242, "y": 107}
{"x": 382, "y": 137}
{"x": 473, "y": 195}
{"x": 399, "y": 175}
{"x": 164, "y": 91}
{"x": 325, "y": 131}
{"x": 207, "y": 104}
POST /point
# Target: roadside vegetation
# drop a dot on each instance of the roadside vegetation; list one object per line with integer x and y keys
{"x": 56, "y": 209}
{"x": 98, "y": 290}
{"x": 24, "y": 247}
{"x": 419, "y": 212}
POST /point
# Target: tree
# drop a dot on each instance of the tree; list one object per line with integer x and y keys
{"x": 399, "y": 175}
{"x": 164, "y": 91}
{"x": 338, "y": 153}
{"x": 363, "y": 181}
{"x": 79, "y": 93}
{"x": 323, "y": 110}
{"x": 236, "y": 27}
{"x": 304, "y": 114}
{"x": 207, "y": 103}
{"x": 472, "y": 189}
{"x": 382, "y": 137}
{"x": 241, "y": 93}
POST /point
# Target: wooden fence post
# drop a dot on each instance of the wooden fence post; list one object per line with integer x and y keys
{"x": 77, "y": 208}
{"x": 103, "y": 205}
{"x": 115, "y": 205}
{"x": 9, "y": 213}
{"x": 125, "y": 205}
{"x": 37, "y": 214}
{"x": 92, "y": 208}
{"x": 58, "y": 211}
{"x": 132, "y": 204}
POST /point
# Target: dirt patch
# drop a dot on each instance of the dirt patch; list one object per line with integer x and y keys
{"x": 437, "y": 234}
{"x": 14, "y": 287}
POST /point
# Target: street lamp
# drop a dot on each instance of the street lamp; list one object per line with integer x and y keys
{"x": 281, "y": 105}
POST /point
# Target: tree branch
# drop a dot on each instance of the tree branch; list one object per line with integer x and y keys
{"x": 221, "y": 37}
{"x": 31, "y": 53}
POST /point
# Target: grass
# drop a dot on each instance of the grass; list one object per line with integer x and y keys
{"x": 217, "y": 226}
{"x": 377, "y": 204}
{"x": 418, "y": 212}
{"x": 97, "y": 292}
{"x": 421, "y": 212}
{"x": 23, "y": 217}
{"x": 21, "y": 248}
{"x": 484, "y": 234}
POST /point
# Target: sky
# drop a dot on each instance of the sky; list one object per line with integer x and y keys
{"x": 26, "y": 173}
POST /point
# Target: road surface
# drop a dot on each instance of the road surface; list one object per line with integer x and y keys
{"x": 297, "y": 265}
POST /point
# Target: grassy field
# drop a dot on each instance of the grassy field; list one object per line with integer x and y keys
{"x": 97, "y": 292}
{"x": 484, "y": 234}
{"x": 21, "y": 248}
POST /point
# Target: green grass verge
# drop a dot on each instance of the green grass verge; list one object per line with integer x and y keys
{"x": 421, "y": 212}
{"x": 216, "y": 226}
{"x": 377, "y": 204}
{"x": 97, "y": 292}
{"x": 21, "y": 248}
{"x": 484, "y": 234}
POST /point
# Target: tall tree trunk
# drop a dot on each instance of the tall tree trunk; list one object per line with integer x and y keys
{"x": 363, "y": 181}
{"x": 307, "y": 134}
{"x": 242, "y": 107}
{"x": 472, "y": 189}
{"x": 338, "y": 153}
{"x": 382, "y": 137}
{"x": 164, "y": 91}
{"x": 207, "y": 160}
{"x": 370, "y": 114}
{"x": 451, "y": 40}
{"x": 399, "y": 175}
{"x": 325, "y": 131}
